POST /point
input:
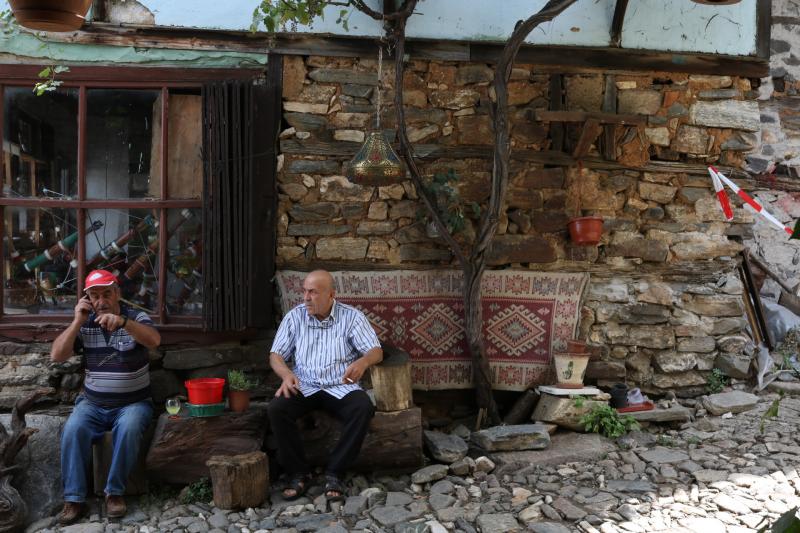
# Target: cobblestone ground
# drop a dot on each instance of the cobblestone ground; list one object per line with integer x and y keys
{"x": 715, "y": 474}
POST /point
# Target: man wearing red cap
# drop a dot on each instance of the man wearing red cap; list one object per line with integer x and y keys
{"x": 114, "y": 340}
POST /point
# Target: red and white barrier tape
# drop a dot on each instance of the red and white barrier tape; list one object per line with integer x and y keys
{"x": 716, "y": 176}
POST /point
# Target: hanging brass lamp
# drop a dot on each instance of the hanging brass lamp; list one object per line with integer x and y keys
{"x": 376, "y": 163}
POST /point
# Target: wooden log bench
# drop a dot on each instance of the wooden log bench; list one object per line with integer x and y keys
{"x": 393, "y": 442}
{"x": 181, "y": 446}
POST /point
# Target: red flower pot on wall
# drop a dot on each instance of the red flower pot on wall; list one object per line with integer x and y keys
{"x": 50, "y": 15}
{"x": 586, "y": 231}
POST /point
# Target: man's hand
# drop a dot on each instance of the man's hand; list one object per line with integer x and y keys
{"x": 83, "y": 308}
{"x": 289, "y": 387}
{"x": 355, "y": 371}
{"x": 110, "y": 321}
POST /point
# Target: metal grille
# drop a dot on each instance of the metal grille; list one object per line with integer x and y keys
{"x": 240, "y": 127}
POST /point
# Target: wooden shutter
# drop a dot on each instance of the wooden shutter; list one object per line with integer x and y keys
{"x": 241, "y": 121}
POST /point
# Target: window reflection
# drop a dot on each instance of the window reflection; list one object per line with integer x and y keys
{"x": 185, "y": 262}
{"x": 40, "y": 265}
{"x": 122, "y": 144}
{"x": 40, "y": 143}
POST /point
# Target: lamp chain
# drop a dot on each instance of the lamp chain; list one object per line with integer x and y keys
{"x": 380, "y": 83}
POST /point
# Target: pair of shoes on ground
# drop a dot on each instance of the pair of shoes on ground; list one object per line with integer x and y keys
{"x": 72, "y": 511}
{"x": 297, "y": 486}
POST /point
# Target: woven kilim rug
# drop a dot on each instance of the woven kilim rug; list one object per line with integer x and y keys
{"x": 527, "y": 316}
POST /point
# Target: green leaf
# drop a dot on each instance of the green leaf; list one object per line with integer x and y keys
{"x": 45, "y": 73}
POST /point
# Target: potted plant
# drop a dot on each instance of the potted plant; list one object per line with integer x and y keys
{"x": 239, "y": 391}
{"x": 570, "y": 368}
{"x": 50, "y": 15}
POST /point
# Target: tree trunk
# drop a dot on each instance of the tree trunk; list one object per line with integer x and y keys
{"x": 12, "y": 507}
{"x": 474, "y": 265}
{"x": 239, "y": 481}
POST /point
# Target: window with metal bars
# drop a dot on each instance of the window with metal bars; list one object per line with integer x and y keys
{"x": 155, "y": 181}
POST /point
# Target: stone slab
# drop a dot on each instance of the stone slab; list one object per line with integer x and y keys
{"x": 564, "y": 447}
{"x": 729, "y": 402}
{"x": 556, "y": 391}
{"x": 676, "y": 413}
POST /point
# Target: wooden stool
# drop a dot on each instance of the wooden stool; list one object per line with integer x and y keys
{"x": 102, "y": 452}
{"x": 391, "y": 380}
{"x": 239, "y": 481}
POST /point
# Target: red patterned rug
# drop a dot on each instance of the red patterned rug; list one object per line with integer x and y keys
{"x": 527, "y": 316}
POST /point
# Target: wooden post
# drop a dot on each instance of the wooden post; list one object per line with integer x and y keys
{"x": 391, "y": 381}
{"x": 239, "y": 481}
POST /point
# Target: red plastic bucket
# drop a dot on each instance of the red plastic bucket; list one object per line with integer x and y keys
{"x": 203, "y": 391}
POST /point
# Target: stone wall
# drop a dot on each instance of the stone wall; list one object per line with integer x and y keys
{"x": 664, "y": 303}
{"x": 27, "y": 367}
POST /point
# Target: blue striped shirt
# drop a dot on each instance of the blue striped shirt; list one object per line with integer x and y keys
{"x": 117, "y": 367}
{"x": 323, "y": 350}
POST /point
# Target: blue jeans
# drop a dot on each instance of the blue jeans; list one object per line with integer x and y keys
{"x": 88, "y": 422}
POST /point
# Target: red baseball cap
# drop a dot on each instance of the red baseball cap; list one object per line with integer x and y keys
{"x": 100, "y": 278}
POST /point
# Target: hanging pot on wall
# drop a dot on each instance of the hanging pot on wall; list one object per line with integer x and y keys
{"x": 50, "y": 15}
{"x": 585, "y": 231}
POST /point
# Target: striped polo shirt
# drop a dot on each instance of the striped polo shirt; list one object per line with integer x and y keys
{"x": 322, "y": 350}
{"x": 117, "y": 367}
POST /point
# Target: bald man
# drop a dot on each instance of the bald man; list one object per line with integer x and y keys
{"x": 332, "y": 345}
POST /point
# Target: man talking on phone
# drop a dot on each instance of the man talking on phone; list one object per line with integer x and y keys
{"x": 114, "y": 340}
{"x": 332, "y": 345}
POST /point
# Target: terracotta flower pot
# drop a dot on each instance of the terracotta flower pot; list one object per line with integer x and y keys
{"x": 585, "y": 231}
{"x": 570, "y": 368}
{"x": 238, "y": 400}
{"x": 576, "y": 346}
{"x": 50, "y": 15}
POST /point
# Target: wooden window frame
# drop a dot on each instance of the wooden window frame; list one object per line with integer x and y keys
{"x": 44, "y": 327}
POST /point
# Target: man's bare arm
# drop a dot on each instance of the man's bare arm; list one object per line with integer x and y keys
{"x": 64, "y": 343}
{"x": 356, "y": 370}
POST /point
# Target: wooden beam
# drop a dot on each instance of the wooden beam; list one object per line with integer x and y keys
{"x": 591, "y": 130}
{"x": 617, "y": 22}
{"x": 557, "y": 104}
{"x": 764, "y": 23}
{"x": 598, "y": 58}
{"x": 610, "y": 130}
{"x": 604, "y": 58}
{"x": 582, "y": 116}
{"x": 343, "y": 150}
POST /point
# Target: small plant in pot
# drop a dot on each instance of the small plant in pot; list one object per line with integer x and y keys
{"x": 239, "y": 391}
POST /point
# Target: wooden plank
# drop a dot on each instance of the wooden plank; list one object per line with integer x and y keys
{"x": 129, "y": 76}
{"x": 764, "y": 23}
{"x": 580, "y": 116}
{"x": 610, "y": 130}
{"x": 557, "y": 104}
{"x": 757, "y": 306}
{"x": 266, "y": 118}
{"x": 617, "y": 22}
{"x": 602, "y": 58}
{"x": 591, "y": 130}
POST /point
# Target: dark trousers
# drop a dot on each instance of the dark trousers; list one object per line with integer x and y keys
{"x": 354, "y": 411}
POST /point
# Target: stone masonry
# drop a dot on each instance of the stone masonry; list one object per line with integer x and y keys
{"x": 664, "y": 301}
